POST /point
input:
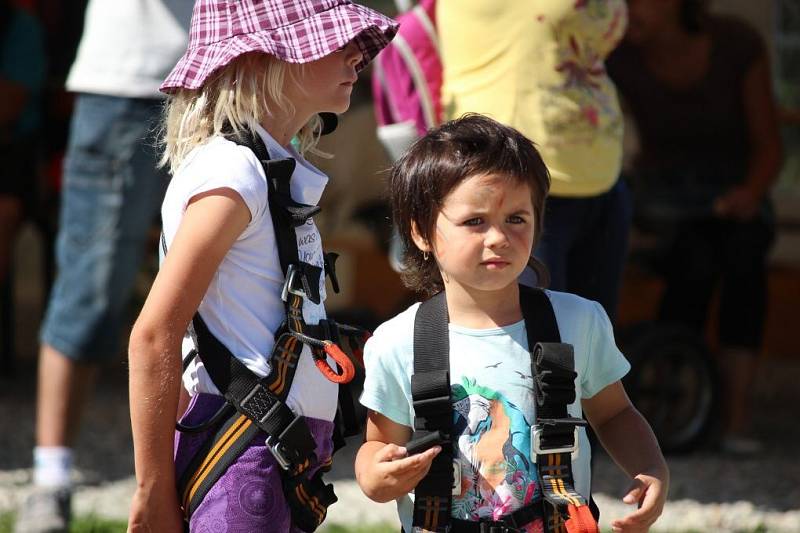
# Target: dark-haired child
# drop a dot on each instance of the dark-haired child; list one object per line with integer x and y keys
{"x": 468, "y": 200}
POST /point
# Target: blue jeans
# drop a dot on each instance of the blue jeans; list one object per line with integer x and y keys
{"x": 585, "y": 243}
{"x": 111, "y": 194}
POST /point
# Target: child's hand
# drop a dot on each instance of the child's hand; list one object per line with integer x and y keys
{"x": 152, "y": 512}
{"x": 650, "y": 493}
{"x": 395, "y": 473}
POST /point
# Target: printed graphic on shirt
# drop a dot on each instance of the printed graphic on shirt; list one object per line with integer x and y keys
{"x": 492, "y": 452}
{"x": 585, "y": 39}
{"x": 309, "y": 250}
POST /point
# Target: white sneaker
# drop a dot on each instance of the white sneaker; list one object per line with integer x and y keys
{"x": 45, "y": 510}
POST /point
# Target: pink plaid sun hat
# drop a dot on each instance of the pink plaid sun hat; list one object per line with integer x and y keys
{"x": 296, "y": 31}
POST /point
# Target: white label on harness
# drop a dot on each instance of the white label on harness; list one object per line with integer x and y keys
{"x": 456, "y": 478}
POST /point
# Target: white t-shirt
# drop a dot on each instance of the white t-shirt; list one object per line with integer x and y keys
{"x": 242, "y": 306}
{"x": 493, "y": 401}
{"x": 129, "y": 46}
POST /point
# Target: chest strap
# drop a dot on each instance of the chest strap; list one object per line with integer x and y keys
{"x": 510, "y": 523}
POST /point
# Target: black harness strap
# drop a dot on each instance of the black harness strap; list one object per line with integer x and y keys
{"x": 218, "y": 452}
{"x": 433, "y": 410}
{"x": 554, "y": 435}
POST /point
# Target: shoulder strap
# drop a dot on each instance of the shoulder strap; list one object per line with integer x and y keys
{"x": 287, "y": 215}
{"x": 433, "y": 411}
{"x": 554, "y": 435}
{"x": 540, "y": 319}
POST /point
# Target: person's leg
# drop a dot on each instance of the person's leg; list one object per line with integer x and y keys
{"x": 691, "y": 271}
{"x": 11, "y": 212}
{"x": 110, "y": 196}
{"x": 562, "y": 219}
{"x": 63, "y": 386}
{"x": 743, "y": 302}
{"x": 594, "y": 267}
{"x": 18, "y": 164}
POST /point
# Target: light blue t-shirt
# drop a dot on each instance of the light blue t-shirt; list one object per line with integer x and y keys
{"x": 493, "y": 402}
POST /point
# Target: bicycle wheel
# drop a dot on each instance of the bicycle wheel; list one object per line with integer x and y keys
{"x": 673, "y": 382}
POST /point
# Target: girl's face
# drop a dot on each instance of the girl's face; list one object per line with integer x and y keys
{"x": 325, "y": 85}
{"x": 483, "y": 234}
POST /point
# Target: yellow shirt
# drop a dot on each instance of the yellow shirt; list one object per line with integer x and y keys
{"x": 537, "y": 65}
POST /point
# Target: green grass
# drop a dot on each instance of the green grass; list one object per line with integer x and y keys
{"x": 6, "y": 522}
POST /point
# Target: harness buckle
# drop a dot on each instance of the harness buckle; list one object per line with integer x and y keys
{"x": 536, "y": 443}
{"x": 289, "y": 285}
{"x": 277, "y": 452}
{"x": 331, "y": 331}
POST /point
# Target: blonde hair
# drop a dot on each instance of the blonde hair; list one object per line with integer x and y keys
{"x": 237, "y": 98}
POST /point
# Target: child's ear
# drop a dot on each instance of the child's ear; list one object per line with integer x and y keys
{"x": 418, "y": 239}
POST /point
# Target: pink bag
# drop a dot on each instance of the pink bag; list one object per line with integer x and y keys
{"x": 407, "y": 80}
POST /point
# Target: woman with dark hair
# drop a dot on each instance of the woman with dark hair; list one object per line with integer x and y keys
{"x": 698, "y": 87}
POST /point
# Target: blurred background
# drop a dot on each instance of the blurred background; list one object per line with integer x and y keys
{"x": 711, "y": 491}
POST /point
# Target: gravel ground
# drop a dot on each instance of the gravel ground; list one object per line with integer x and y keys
{"x": 710, "y": 491}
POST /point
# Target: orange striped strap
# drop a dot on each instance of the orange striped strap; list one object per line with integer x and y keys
{"x": 580, "y": 520}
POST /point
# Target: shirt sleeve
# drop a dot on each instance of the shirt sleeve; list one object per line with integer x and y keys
{"x": 387, "y": 385}
{"x": 224, "y": 164}
{"x": 605, "y": 364}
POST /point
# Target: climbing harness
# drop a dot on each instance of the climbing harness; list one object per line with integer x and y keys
{"x": 256, "y": 405}
{"x": 553, "y": 435}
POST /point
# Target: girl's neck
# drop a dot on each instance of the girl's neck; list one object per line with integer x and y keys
{"x": 284, "y": 126}
{"x": 483, "y": 309}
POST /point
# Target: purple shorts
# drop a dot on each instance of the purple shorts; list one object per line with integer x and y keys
{"x": 249, "y": 495}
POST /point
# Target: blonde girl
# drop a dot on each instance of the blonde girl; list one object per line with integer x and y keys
{"x": 261, "y": 71}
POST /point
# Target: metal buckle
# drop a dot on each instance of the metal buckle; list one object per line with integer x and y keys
{"x": 288, "y": 285}
{"x": 275, "y": 448}
{"x": 536, "y": 444}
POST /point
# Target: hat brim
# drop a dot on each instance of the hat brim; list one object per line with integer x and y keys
{"x": 307, "y": 40}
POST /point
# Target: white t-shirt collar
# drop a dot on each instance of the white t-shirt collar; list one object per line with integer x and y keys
{"x": 308, "y": 182}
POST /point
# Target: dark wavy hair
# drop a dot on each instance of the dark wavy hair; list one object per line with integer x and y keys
{"x": 473, "y": 145}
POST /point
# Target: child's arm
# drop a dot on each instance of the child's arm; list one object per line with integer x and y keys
{"x": 628, "y": 439}
{"x": 383, "y": 470}
{"x": 210, "y": 226}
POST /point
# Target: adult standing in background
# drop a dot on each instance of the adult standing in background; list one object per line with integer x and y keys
{"x": 111, "y": 193}
{"x": 22, "y": 78}
{"x": 538, "y": 66}
{"x": 699, "y": 89}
